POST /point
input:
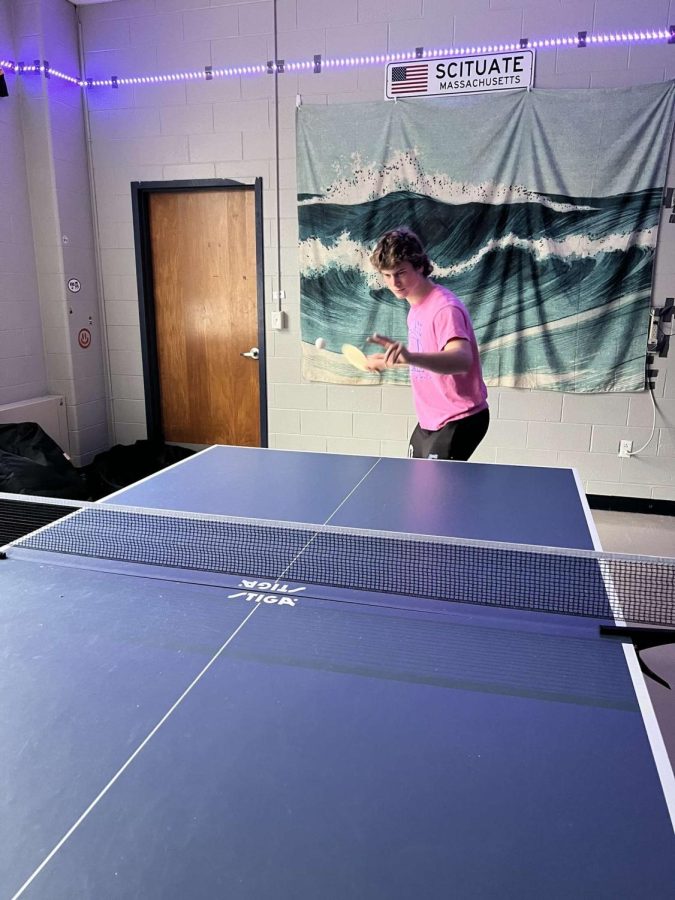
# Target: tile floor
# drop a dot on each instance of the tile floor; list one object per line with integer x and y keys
{"x": 639, "y": 533}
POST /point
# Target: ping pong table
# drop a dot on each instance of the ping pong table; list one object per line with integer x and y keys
{"x": 172, "y": 733}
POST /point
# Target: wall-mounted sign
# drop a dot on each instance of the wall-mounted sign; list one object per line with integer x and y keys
{"x": 450, "y": 75}
{"x": 84, "y": 338}
{"x": 74, "y": 285}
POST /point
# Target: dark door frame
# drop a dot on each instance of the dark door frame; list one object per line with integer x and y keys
{"x": 140, "y": 202}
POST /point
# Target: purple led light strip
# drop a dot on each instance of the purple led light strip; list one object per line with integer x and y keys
{"x": 622, "y": 37}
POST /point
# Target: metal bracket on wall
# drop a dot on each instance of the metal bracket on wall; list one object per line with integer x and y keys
{"x": 669, "y": 203}
{"x": 666, "y": 318}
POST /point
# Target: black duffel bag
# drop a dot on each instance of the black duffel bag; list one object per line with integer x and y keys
{"x": 124, "y": 464}
{"x": 32, "y": 463}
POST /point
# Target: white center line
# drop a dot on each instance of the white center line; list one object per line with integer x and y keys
{"x": 133, "y": 756}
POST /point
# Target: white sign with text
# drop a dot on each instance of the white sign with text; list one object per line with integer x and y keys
{"x": 450, "y": 75}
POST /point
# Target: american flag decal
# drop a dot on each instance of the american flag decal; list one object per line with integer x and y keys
{"x": 410, "y": 79}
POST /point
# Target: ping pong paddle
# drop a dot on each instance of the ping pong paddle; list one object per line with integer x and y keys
{"x": 355, "y": 356}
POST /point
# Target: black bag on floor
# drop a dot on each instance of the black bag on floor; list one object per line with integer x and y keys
{"x": 124, "y": 464}
{"x": 32, "y": 463}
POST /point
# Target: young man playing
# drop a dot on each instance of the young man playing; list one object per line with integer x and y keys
{"x": 445, "y": 372}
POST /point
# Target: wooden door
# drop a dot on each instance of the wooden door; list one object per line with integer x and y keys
{"x": 205, "y": 301}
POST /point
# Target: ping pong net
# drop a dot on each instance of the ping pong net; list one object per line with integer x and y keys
{"x": 620, "y": 587}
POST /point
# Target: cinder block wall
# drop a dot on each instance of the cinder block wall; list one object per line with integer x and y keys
{"x": 225, "y": 128}
{"x": 22, "y": 366}
{"x": 51, "y": 338}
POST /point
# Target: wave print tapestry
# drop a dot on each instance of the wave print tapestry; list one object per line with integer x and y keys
{"x": 539, "y": 209}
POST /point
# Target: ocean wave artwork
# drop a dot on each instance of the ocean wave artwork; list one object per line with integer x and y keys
{"x": 548, "y": 237}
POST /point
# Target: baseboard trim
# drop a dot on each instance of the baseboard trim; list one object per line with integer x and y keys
{"x": 632, "y": 504}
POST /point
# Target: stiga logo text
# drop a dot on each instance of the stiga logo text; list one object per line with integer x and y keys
{"x": 255, "y": 592}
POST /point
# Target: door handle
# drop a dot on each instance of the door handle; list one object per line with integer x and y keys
{"x": 253, "y": 353}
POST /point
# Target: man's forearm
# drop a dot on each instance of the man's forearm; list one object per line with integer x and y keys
{"x": 443, "y": 363}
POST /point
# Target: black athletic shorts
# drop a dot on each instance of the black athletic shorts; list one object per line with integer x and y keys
{"x": 456, "y": 440}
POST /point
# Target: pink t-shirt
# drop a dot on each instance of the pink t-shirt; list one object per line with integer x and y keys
{"x": 439, "y": 399}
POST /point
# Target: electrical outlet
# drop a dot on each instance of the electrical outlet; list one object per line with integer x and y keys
{"x": 278, "y": 319}
{"x": 625, "y": 448}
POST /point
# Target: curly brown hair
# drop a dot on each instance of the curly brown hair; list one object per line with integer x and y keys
{"x": 397, "y": 246}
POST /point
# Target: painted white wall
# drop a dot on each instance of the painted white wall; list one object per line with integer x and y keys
{"x": 22, "y": 366}
{"x": 225, "y": 128}
{"x": 48, "y": 204}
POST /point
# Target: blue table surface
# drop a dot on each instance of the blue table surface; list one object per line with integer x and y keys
{"x": 522, "y": 504}
{"x": 318, "y": 748}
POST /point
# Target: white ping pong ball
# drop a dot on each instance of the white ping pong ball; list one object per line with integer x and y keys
{"x": 319, "y": 343}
